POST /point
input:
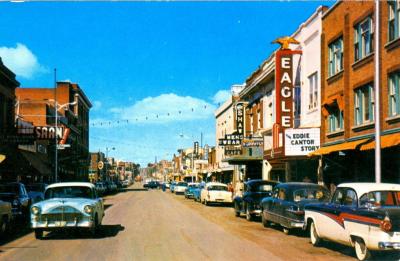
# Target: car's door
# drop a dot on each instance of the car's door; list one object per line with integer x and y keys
{"x": 99, "y": 204}
{"x": 271, "y": 206}
{"x": 245, "y": 198}
{"x": 332, "y": 224}
{"x": 280, "y": 205}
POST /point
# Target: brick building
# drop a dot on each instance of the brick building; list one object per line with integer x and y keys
{"x": 348, "y": 91}
{"x": 36, "y": 105}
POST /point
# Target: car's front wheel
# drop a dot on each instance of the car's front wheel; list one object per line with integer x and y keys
{"x": 315, "y": 239}
{"x": 38, "y": 234}
{"x": 362, "y": 252}
{"x": 249, "y": 216}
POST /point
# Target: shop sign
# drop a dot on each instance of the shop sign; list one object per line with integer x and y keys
{"x": 231, "y": 139}
{"x": 300, "y": 142}
{"x": 240, "y": 118}
{"x": 284, "y": 83}
{"x": 232, "y": 150}
{"x": 47, "y": 132}
{"x": 246, "y": 143}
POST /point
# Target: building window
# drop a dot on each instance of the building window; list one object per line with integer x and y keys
{"x": 363, "y": 38}
{"x": 364, "y": 105}
{"x": 335, "y": 119}
{"x": 394, "y": 85}
{"x": 313, "y": 90}
{"x": 394, "y": 19}
{"x": 336, "y": 57}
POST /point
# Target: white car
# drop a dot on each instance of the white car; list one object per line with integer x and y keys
{"x": 365, "y": 216}
{"x": 67, "y": 205}
{"x": 180, "y": 187}
{"x": 215, "y": 192}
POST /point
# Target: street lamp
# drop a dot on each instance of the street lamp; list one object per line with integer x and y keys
{"x": 107, "y": 150}
{"x": 58, "y": 107}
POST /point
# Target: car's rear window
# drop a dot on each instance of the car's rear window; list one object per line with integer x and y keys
{"x": 216, "y": 187}
{"x": 311, "y": 194}
{"x": 380, "y": 199}
{"x": 69, "y": 192}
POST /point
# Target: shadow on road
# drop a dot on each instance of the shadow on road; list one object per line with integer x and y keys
{"x": 18, "y": 230}
{"x": 103, "y": 232}
{"x": 135, "y": 190}
{"x": 107, "y": 206}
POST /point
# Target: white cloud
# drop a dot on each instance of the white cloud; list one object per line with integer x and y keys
{"x": 221, "y": 96}
{"x": 165, "y": 108}
{"x": 21, "y": 61}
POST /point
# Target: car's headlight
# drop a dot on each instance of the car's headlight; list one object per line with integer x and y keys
{"x": 15, "y": 202}
{"x": 35, "y": 210}
{"x": 88, "y": 209}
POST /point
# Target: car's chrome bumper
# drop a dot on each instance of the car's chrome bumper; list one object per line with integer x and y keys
{"x": 297, "y": 224}
{"x": 256, "y": 212}
{"x": 389, "y": 245}
{"x": 83, "y": 221}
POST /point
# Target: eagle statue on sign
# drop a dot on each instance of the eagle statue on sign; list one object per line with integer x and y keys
{"x": 285, "y": 41}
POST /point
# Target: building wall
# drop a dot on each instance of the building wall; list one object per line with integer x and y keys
{"x": 224, "y": 124}
{"x": 340, "y": 21}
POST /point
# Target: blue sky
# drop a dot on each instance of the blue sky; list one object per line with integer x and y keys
{"x": 154, "y": 71}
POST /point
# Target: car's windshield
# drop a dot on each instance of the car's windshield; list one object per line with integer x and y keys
{"x": 193, "y": 186}
{"x": 69, "y": 192}
{"x": 184, "y": 184}
{"x": 217, "y": 187}
{"x": 380, "y": 199}
{"x": 311, "y": 194}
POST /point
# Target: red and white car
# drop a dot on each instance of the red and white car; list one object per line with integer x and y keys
{"x": 215, "y": 192}
{"x": 365, "y": 216}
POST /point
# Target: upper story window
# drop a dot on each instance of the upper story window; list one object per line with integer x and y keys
{"x": 364, "y": 104}
{"x": 313, "y": 90}
{"x": 363, "y": 38}
{"x": 394, "y": 98}
{"x": 394, "y": 19}
{"x": 335, "y": 119}
{"x": 336, "y": 57}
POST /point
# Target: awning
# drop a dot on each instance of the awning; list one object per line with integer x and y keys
{"x": 238, "y": 160}
{"x": 36, "y": 162}
{"x": 386, "y": 142}
{"x": 351, "y": 145}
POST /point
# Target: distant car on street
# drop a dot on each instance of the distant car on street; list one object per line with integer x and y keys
{"x": 36, "y": 191}
{"x": 5, "y": 217}
{"x": 180, "y": 187}
{"x": 365, "y": 216}
{"x": 152, "y": 184}
{"x": 172, "y": 187}
{"x": 189, "y": 190}
{"x": 254, "y": 191}
{"x": 16, "y": 194}
{"x": 215, "y": 192}
{"x": 125, "y": 183}
{"x": 286, "y": 206}
{"x": 101, "y": 188}
{"x": 68, "y": 205}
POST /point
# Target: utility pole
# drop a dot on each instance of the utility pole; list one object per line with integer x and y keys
{"x": 377, "y": 92}
{"x": 55, "y": 131}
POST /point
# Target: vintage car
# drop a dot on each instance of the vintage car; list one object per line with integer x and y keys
{"x": 249, "y": 202}
{"x": 286, "y": 205}
{"x": 215, "y": 192}
{"x": 5, "y": 216}
{"x": 197, "y": 192}
{"x": 16, "y": 194}
{"x": 36, "y": 191}
{"x": 363, "y": 215}
{"x": 68, "y": 205}
{"x": 180, "y": 187}
{"x": 189, "y": 190}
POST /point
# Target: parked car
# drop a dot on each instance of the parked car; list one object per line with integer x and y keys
{"x": 36, "y": 191}
{"x": 152, "y": 184}
{"x": 5, "y": 216}
{"x": 365, "y": 216}
{"x": 286, "y": 206}
{"x": 172, "y": 187}
{"x": 180, "y": 187}
{"x": 197, "y": 192}
{"x": 101, "y": 188}
{"x": 167, "y": 185}
{"x": 16, "y": 194}
{"x": 215, "y": 192}
{"x": 254, "y": 191}
{"x": 125, "y": 183}
{"x": 189, "y": 190}
{"x": 68, "y": 205}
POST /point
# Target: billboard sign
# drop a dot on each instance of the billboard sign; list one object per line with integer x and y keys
{"x": 300, "y": 142}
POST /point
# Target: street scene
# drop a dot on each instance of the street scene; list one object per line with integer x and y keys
{"x": 200, "y": 130}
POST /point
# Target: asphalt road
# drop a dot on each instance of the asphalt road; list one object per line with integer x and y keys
{"x": 156, "y": 225}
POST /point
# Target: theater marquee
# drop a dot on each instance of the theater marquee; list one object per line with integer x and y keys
{"x": 300, "y": 142}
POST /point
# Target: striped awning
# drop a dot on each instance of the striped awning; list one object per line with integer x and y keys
{"x": 386, "y": 142}
{"x": 350, "y": 145}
